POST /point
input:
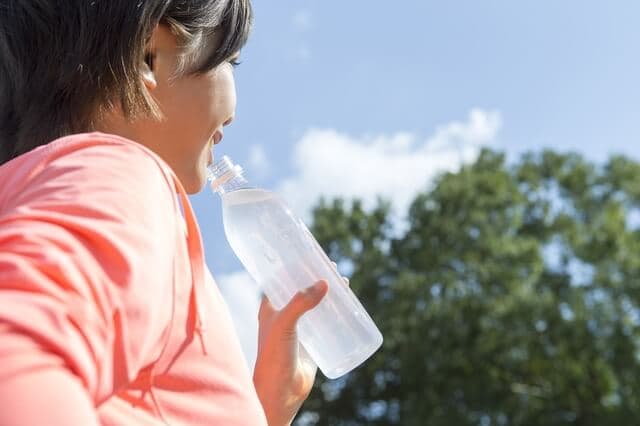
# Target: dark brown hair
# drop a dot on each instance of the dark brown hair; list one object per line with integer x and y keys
{"x": 63, "y": 64}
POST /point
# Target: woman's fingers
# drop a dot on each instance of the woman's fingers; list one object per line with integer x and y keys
{"x": 267, "y": 312}
{"x": 345, "y": 279}
{"x": 302, "y": 302}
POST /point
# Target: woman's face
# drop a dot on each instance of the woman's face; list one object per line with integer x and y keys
{"x": 195, "y": 109}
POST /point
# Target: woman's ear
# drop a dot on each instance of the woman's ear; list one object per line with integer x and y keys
{"x": 148, "y": 72}
{"x": 148, "y": 68}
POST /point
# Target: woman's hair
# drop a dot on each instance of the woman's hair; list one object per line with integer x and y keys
{"x": 63, "y": 64}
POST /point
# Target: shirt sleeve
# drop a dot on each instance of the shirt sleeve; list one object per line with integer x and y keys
{"x": 86, "y": 274}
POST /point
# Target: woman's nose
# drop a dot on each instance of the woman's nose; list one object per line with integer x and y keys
{"x": 229, "y": 120}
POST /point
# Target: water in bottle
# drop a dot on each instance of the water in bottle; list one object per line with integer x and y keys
{"x": 283, "y": 257}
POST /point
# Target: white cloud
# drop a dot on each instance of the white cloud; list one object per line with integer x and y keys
{"x": 396, "y": 167}
{"x": 258, "y": 160}
{"x": 302, "y": 20}
{"x": 243, "y": 298}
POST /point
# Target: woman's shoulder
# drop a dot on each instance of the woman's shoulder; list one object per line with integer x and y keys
{"x": 90, "y": 166}
{"x": 103, "y": 147}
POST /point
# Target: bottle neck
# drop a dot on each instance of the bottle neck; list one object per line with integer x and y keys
{"x": 225, "y": 176}
{"x": 233, "y": 184}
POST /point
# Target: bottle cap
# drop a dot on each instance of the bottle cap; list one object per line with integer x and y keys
{"x": 222, "y": 171}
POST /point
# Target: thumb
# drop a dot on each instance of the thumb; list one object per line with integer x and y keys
{"x": 302, "y": 302}
{"x": 267, "y": 312}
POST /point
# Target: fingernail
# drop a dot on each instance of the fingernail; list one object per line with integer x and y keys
{"x": 312, "y": 290}
{"x": 315, "y": 289}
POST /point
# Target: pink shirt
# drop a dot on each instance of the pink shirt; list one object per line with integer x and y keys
{"x": 108, "y": 314}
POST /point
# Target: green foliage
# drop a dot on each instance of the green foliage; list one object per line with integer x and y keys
{"x": 511, "y": 298}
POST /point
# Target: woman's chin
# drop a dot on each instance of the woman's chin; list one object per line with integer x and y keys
{"x": 199, "y": 184}
{"x": 195, "y": 181}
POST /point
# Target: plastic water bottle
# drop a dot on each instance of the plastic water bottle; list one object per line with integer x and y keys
{"x": 283, "y": 257}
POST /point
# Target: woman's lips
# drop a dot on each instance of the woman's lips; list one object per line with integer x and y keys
{"x": 210, "y": 154}
{"x": 215, "y": 140}
{"x": 217, "y": 137}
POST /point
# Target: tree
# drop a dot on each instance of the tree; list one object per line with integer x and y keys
{"x": 510, "y": 299}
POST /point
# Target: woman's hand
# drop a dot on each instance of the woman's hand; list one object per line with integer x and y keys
{"x": 284, "y": 373}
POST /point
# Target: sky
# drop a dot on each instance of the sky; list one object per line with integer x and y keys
{"x": 366, "y": 98}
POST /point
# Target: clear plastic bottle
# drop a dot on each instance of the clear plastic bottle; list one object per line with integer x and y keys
{"x": 283, "y": 257}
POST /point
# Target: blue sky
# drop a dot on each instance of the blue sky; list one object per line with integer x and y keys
{"x": 353, "y": 97}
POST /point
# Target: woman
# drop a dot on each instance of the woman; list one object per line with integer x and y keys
{"x": 108, "y": 315}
